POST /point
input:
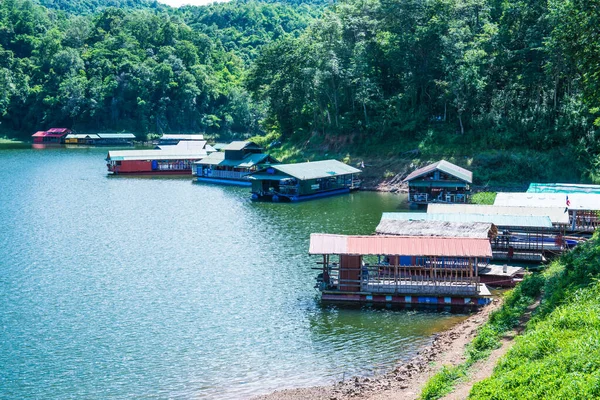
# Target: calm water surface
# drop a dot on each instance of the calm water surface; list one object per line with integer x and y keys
{"x": 123, "y": 287}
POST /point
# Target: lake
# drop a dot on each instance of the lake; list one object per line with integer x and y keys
{"x": 128, "y": 287}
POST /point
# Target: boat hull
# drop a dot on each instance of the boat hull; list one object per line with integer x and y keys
{"x": 232, "y": 182}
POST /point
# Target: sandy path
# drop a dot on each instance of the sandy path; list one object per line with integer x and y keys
{"x": 484, "y": 368}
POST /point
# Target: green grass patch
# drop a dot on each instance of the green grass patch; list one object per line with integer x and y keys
{"x": 4, "y": 140}
{"x": 486, "y": 198}
{"x": 488, "y": 336}
{"x": 559, "y": 355}
{"x": 443, "y": 382}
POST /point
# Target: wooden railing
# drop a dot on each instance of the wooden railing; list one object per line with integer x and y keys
{"x": 226, "y": 174}
{"x": 432, "y": 277}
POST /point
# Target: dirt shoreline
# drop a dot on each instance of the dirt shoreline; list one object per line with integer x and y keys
{"x": 407, "y": 379}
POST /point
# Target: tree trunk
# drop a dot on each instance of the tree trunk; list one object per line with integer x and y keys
{"x": 462, "y": 128}
{"x": 445, "y": 110}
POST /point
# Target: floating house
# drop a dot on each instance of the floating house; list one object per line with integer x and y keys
{"x": 440, "y": 182}
{"x": 303, "y": 181}
{"x": 492, "y": 275}
{"x": 583, "y": 209}
{"x": 557, "y": 215}
{"x": 172, "y": 160}
{"x": 173, "y": 139}
{"x": 53, "y": 135}
{"x": 402, "y": 270}
{"x": 101, "y": 139}
{"x": 232, "y": 164}
{"x": 519, "y": 238}
{"x": 565, "y": 188}
{"x": 517, "y": 242}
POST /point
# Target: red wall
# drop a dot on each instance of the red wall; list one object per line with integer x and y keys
{"x": 135, "y": 166}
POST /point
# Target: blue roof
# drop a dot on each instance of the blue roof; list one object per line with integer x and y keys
{"x": 528, "y": 221}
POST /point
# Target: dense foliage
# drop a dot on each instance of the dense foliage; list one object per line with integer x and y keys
{"x": 559, "y": 355}
{"x": 502, "y": 74}
{"x": 509, "y": 87}
{"x": 141, "y": 70}
{"x": 92, "y": 6}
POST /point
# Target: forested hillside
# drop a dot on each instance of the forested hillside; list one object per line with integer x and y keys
{"x": 474, "y": 74}
{"x": 92, "y": 6}
{"x": 509, "y": 87}
{"x": 142, "y": 70}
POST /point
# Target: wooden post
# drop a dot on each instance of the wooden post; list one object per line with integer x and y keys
{"x": 396, "y": 272}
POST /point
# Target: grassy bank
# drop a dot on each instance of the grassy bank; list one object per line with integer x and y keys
{"x": 5, "y": 140}
{"x": 485, "y": 198}
{"x": 488, "y": 337}
{"x": 559, "y": 355}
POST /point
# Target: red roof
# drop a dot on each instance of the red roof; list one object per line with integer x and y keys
{"x": 58, "y": 130}
{"x": 399, "y": 245}
{"x": 52, "y": 132}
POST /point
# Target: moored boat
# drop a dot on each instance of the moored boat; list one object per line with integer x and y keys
{"x": 304, "y": 181}
{"x": 402, "y": 270}
{"x": 168, "y": 160}
{"x": 231, "y": 165}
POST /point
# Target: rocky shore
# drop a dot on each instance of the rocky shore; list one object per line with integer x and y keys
{"x": 407, "y": 379}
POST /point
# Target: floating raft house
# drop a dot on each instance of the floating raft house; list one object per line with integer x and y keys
{"x": 557, "y": 215}
{"x": 232, "y": 164}
{"x": 51, "y": 136}
{"x": 583, "y": 209}
{"x": 499, "y": 220}
{"x": 100, "y": 139}
{"x": 441, "y": 182}
{"x": 518, "y": 242}
{"x": 303, "y": 181}
{"x": 504, "y": 276}
{"x": 519, "y": 238}
{"x": 174, "y": 138}
{"x": 169, "y": 160}
{"x": 403, "y": 270}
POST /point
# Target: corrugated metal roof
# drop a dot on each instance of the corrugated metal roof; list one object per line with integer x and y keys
{"x": 116, "y": 135}
{"x": 219, "y": 159}
{"x": 220, "y": 146}
{"x": 240, "y": 145}
{"x": 564, "y": 188}
{"x": 399, "y": 245}
{"x": 184, "y": 145}
{"x": 444, "y": 166}
{"x": 249, "y": 161}
{"x": 39, "y": 134}
{"x": 212, "y": 159}
{"x": 82, "y": 136}
{"x": 557, "y": 214}
{"x": 58, "y": 130}
{"x": 173, "y": 136}
{"x": 578, "y": 201}
{"x": 481, "y": 230}
{"x": 496, "y": 219}
{"x": 315, "y": 169}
